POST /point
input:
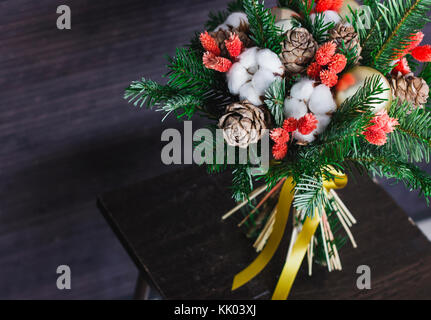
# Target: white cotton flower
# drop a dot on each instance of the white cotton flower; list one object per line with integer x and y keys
{"x": 248, "y": 92}
{"x": 234, "y": 19}
{"x": 324, "y": 121}
{"x": 303, "y": 89}
{"x": 269, "y": 60}
{"x": 321, "y": 100}
{"x": 237, "y": 76}
{"x": 304, "y": 137}
{"x": 248, "y": 58}
{"x": 222, "y": 26}
{"x": 328, "y": 17}
{"x": 285, "y": 25}
{"x": 294, "y": 108}
{"x": 249, "y": 78}
{"x": 262, "y": 79}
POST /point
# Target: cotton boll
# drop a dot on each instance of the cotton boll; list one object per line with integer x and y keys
{"x": 304, "y": 138}
{"x": 324, "y": 121}
{"x": 303, "y": 89}
{"x": 234, "y": 20}
{"x": 237, "y": 76}
{"x": 248, "y": 58}
{"x": 285, "y": 25}
{"x": 269, "y": 60}
{"x": 321, "y": 100}
{"x": 331, "y": 16}
{"x": 223, "y": 27}
{"x": 328, "y": 16}
{"x": 294, "y": 108}
{"x": 262, "y": 79}
{"x": 248, "y": 92}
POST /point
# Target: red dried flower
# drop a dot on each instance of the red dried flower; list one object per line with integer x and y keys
{"x": 401, "y": 66}
{"x": 211, "y": 61}
{"x": 336, "y": 5}
{"x": 313, "y": 70}
{"x": 307, "y": 124}
{"x": 416, "y": 38}
{"x": 328, "y": 78}
{"x": 234, "y": 45}
{"x": 279, "y": 135}
{"x": 422, "y": 53}
{"x": 375, "y": 136}
{"x": 209, "y": 43}
{"x": 338, "y": 63}
{"x": 323, "y": 5}
{"x": 325, "y": 53}
{"x": 384, "y": 122}
{"x": 290, "y": 124}
{"x": 279, "y": 151}
{"x": 345, "y": 82}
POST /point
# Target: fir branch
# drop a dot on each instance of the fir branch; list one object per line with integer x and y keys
{"x": 393, "y": 24}
{"x": 148, "y": 92}
{"x": 383, "y": 163}
{"x": 262, "y": 26}
{"x": 310, "y": 196}
{"x": 242, "y": 182}
{"x": 187, "y": 71}
{"x": 274, "y": 99}
{"x": 317, "y": 26}
{"x": 291, "y": 4}
{"x": 412, "y": 138}
{"x": 350, "y": 120}
{"x": 184, "y": 106}
{"x": 202, "y": 89}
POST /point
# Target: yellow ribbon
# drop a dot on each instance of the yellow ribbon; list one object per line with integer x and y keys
{"x": 299, "y": 249}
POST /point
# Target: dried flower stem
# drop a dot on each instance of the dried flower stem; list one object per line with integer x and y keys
{"x": 252, "y": 195}
{"x": 266, "y": 197}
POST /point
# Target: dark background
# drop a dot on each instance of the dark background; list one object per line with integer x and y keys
{"x": 66, "y": 135}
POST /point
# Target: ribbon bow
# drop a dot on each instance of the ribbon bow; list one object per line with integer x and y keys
{"x": 294, "y": 260}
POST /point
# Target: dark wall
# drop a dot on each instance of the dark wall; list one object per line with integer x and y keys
{"x": 67, "y": 135}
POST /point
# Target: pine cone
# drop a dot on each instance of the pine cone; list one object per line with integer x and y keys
{"x": 347, "y": 34}
{"x": 410, "y": 88}
{"x": 221, "y": 35}
{"x": 242, "y": 124}
{"x": 298, "y": 51}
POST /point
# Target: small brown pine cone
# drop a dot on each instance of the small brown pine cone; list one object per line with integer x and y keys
{"x": 410, "y": 88}
{"x": 346, "y": 33}
{"x": 298, "y": 50}
{"x": 221, "y": 35}
{"x": 242, "y": 124}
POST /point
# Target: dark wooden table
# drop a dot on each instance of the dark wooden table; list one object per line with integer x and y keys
{"x": 171, "y": 228}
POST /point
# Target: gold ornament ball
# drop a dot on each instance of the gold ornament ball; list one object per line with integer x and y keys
{"x": 345, "y": 11}
{"x": 283, "y": 14}
{"x": 360, "y": 73}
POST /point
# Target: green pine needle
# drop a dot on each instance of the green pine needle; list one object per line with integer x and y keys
{"x": 262, "y": 25}
{"x": 274, "y": 99}
{"x": 392, "y": 24}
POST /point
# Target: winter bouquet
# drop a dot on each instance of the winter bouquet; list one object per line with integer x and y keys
{"x": 328, "y": 86}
